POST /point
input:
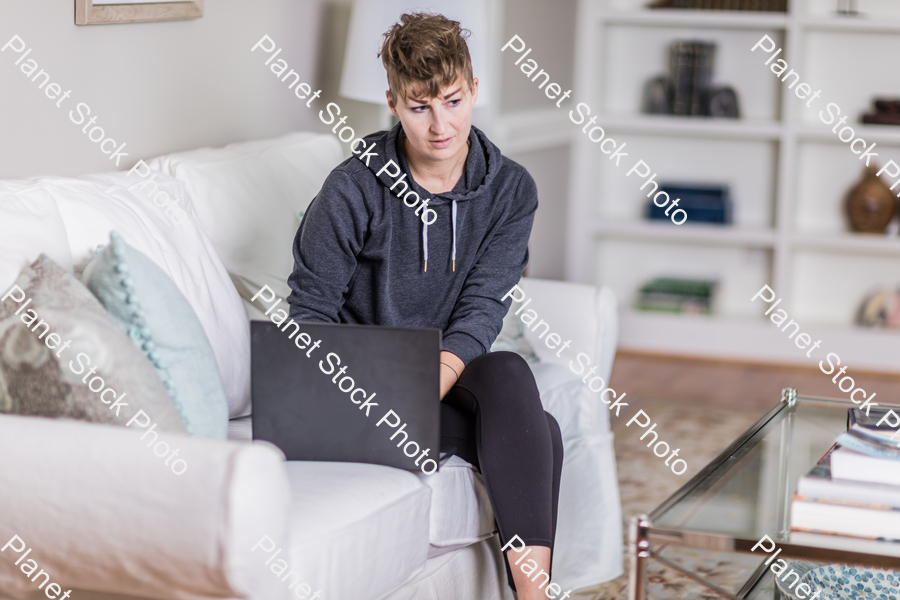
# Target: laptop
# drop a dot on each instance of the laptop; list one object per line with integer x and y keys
{"x": 336, "y": 392}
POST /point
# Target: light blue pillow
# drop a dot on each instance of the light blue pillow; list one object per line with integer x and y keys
{"x": 147, "y": 304}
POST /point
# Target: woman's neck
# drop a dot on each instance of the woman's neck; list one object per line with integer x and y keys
{"x": 437, "y": 177}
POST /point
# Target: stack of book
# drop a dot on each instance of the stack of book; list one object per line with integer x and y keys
{"x": 687, "y": 89}
{"x": 761, "y": 5}
{"x": 668, "y": 294}
{"x": 854, "y": 490}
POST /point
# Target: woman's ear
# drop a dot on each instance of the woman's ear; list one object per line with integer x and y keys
{"x": 391, "y": 104}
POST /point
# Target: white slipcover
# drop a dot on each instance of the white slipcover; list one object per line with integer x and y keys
{"x": 101, "y": 514}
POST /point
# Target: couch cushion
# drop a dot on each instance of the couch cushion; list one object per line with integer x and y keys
{"x": 249, "y": 197}
{"x": 30, "y": 225}
{"x": 460, "y": 512}
{"x": 369, "y": 520}
{"x": 357, "y": 531}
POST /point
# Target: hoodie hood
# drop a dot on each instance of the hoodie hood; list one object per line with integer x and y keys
{"x": 391, "y": 168}
{"x": 482, "y": 164}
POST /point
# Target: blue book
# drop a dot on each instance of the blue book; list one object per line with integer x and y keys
{"x": 703, "y": 204}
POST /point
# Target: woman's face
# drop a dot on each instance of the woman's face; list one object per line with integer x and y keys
{"x": 438, "y": 127}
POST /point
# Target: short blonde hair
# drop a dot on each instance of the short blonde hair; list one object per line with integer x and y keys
{"x": 424, "y": 53}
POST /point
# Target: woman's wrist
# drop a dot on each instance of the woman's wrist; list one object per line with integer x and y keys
{"x": 449, "y": 366}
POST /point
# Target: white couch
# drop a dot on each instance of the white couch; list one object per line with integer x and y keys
{"x": 104, "y": 519}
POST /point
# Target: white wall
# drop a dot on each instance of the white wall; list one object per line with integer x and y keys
{"x": 550, "y": 169}
{"x": 549, "y": 28}
{"x": 159, "y": 87}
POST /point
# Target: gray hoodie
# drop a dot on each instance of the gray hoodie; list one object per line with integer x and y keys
{"x": 360, "y": 253}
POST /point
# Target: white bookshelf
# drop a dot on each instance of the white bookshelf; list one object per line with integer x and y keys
{"x": 787, "y": 173}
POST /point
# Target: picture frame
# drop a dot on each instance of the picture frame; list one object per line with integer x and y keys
{"x": 105, "y": 12}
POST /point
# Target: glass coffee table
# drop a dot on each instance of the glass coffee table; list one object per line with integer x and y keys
{"x": 745, "y": 494}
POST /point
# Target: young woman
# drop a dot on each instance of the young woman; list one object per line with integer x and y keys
{"x": 434, "y": 187}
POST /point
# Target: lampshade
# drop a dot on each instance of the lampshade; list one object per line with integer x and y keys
{"x": 364, "y": 78}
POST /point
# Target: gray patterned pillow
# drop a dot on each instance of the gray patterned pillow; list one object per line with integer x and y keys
{"x": 63, "y": 357}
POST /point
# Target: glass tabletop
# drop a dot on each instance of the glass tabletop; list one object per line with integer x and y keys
{"x": 746, "y": 492}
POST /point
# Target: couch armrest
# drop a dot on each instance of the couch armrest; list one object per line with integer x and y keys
{"x": 582, "y": 313}
{"x": 101, "y": 512}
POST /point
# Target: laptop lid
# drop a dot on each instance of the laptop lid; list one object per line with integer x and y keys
{"x": 336, "y": 392}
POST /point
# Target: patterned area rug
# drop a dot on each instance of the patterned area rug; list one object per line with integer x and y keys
{"x": 702, "y": 433}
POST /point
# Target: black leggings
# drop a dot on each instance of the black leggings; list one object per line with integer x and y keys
{"x": 493, "y": 418}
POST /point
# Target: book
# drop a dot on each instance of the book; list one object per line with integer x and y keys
{"x": 854, "y": 466}
{"x": 701, "y": 288}
{"x": 864, "y": 443}
{"x": 702, "y": 203}
{"x": 819, "y": 484}
{"x": 703, "y": 56}
{"x": 859, "y": 420}
{"x": 681, "y": 62}
{"x": 844, "y": 518}
{"x": 747, "y": 5}
{"x": 677, "y": 295}
{"x": 866, "y": 436}
{"x": 842, "y": 542}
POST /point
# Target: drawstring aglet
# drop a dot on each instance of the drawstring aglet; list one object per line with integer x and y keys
{"x": 454, "y": 266}
{"x": 426, "y": 267}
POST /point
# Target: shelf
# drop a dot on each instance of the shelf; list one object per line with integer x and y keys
{"x": 728, "y": 236}
{"x": 714, "y": 235}
{"x": 858, "y": 243}
{"x": 759, "y": 340}
{"x": 705, "y": 127}
{"x": 784, "y": 169}
{"x": 860, "y": 23}
{"x": 725, "y": 19}
{"x": 882, "y": 134}
{"x": 719, "y": 19}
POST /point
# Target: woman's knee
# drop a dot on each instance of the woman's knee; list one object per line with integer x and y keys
{"x": 502, "y": 365}
{"x": 504, "y": 380}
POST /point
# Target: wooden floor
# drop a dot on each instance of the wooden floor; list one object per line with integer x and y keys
{"x": 722, "y": 383}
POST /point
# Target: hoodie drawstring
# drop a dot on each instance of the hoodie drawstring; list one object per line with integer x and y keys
{"x": 453, "y": 255}
{"x": 425, "y": 239}
{"x": 425, "y": 243}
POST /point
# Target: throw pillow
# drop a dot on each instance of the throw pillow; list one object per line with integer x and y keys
{"x": 147, "y": 305}
{"x": 62, "y": 356}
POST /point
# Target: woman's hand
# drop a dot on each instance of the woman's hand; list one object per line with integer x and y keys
{"x": 451, "y": 368}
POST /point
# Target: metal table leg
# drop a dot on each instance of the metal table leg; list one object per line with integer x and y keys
{"x": 639, "y": 551}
